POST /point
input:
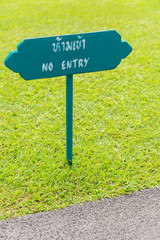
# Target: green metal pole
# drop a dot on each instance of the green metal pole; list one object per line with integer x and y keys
{"x": 69, "y": 117}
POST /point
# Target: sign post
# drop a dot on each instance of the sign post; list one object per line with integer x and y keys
{"x": 49, "y": 57}
{"x": 69, "y": 118}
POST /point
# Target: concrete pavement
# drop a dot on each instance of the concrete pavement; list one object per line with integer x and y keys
{"x": 135, "y": 216}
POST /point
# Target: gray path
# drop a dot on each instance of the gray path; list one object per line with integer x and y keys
{"x": 135, "y": 216}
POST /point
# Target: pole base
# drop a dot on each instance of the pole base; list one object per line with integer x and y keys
{"x": 69, "y": 162}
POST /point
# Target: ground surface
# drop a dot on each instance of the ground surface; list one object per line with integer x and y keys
{"x": 135, "y": 216}
{"x": 116, "y": 128}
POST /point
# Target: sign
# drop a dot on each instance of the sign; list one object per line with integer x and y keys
{"x": 69, "y": 54}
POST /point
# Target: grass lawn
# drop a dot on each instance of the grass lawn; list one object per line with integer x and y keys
{"x": 116, "y": 113}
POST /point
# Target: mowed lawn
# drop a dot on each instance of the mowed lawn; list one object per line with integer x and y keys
{"x": 116, "y": 139}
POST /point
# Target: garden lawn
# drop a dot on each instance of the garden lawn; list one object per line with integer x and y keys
{"x": 116, "y": 136}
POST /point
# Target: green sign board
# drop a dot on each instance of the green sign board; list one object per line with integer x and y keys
{"x": 49, "y": 57}
{"x": 70, "y": 54}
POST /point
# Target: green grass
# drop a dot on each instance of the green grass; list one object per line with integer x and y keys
{"x": 116, "y": 113}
